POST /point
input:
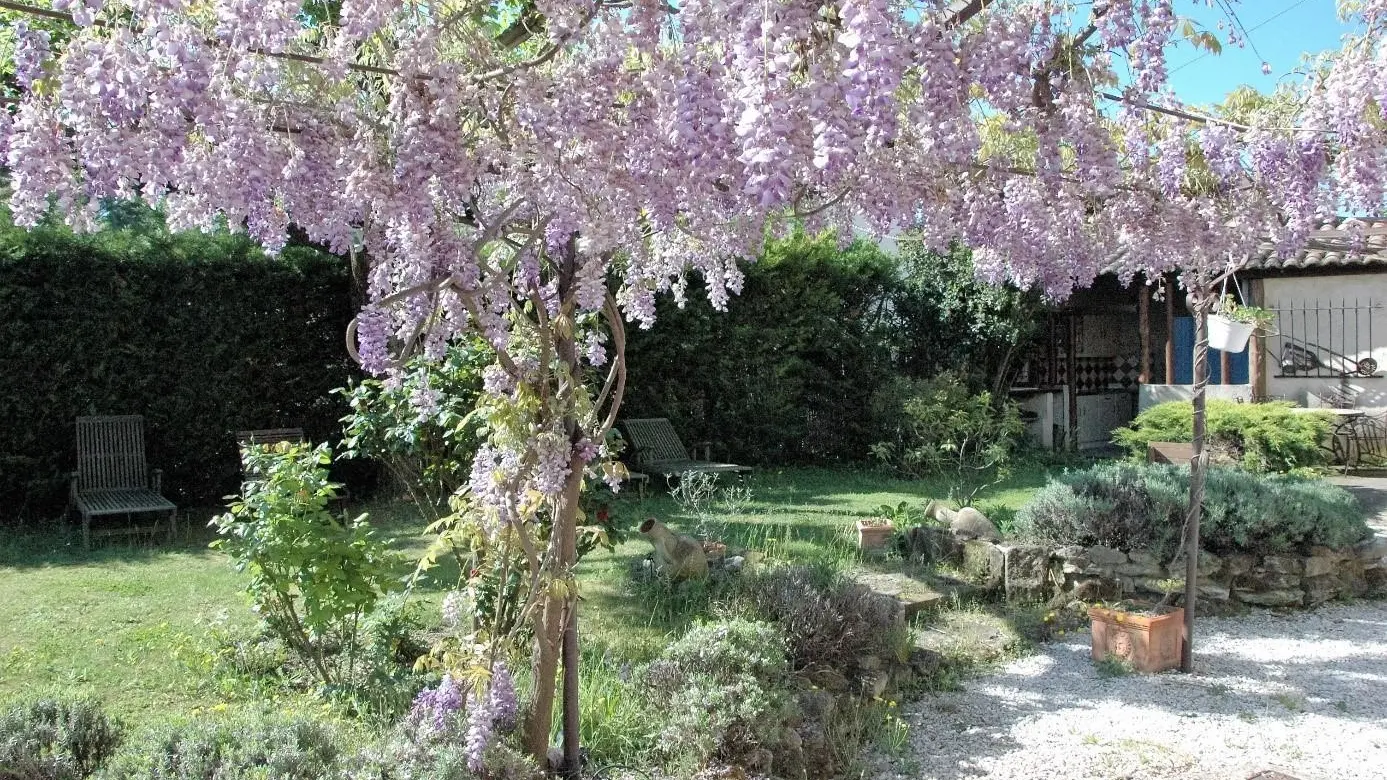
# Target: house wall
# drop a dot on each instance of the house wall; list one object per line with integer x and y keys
{"x": 1358, "y": 333}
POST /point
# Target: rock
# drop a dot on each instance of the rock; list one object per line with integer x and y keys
{"x": 1097, "y": 589}
{"x": 985, "y": 564}
{"x": 789, "y": 757}
{"x": 1238, "y": 564}
{"x": 1318, "y": 566}
{"x": 1260, "y": 579}
{"x": 914, "y": 596}
{"x": 829, "y": 679}
{"x": 1073, "y": 553}
{"x": 934, "y": 545}
{"x": 1141, "y": 569}
{"x": 1143, "y": 558}
{"x": 1271, "y": 598}
{"x": 734, "y": 564}
{"x": 1099, "y": 555}
{"x": 874, "y": 684}
{"x": 1321, "y": 589}
{"x": 1370, "y": 550}
{"x": 1283, "y": 564}
{"x": 1320, "y": 551}
{"x": 1026, "y": 572}
{"x": 969, "y": 523}
{"x": 1150, "y": 584}
{"x": 1209, "y": 564}
{"x": 925, "y": 662}
{"x": 1214, "y": 591}
{"x": 817, "y": 705}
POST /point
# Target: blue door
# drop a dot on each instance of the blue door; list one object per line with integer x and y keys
{"x": 1184, "y": 358}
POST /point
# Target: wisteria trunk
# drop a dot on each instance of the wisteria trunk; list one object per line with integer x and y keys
{"x": 556, "y": 623}
{"x": 1198, "y": 467}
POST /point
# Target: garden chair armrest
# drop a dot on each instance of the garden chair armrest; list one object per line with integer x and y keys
{"x": 156, "y": 480}
{"x": 706, "y": 447}
{"x": 72, "y": 487}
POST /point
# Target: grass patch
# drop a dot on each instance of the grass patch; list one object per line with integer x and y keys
{"x": 137, "y": 626}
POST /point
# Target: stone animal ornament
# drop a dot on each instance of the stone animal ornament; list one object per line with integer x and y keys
{"x": 677, "y": 556}
{"x": 966, "y": 523}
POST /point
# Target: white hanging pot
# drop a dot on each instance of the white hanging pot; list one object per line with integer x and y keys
{"x": 1228, "y": 335}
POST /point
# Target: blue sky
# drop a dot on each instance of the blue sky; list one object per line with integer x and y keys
{"x": 1280, "y": 30}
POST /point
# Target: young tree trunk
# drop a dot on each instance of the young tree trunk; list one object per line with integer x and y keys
{"x": 1200, "y": 305}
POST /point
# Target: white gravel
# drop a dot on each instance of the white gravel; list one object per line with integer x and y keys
{"x": 1304, "y": 694}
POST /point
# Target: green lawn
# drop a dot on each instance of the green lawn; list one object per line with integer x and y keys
{"x": 130, "y": 625}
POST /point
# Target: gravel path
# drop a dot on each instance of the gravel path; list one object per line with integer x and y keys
{"x": 1303, "y": 693}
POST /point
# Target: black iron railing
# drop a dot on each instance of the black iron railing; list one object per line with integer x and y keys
{"x": 1325, "y": 339}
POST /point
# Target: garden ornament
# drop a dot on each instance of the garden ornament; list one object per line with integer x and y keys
{"x": 677, "y": 557}
{"x": 966, "y": 523}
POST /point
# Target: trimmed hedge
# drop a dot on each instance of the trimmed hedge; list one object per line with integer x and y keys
{"x": 782, "y": 376}
{"x": 1131, "y": 506}
{"x": 1259, "y": 437}
{"x": 203, "y": 335}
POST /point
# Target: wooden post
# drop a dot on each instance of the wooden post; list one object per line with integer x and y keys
{"x": 1256, "y": 353}
{"x": 1144, "y": 324}
{"x": 1170, "y": 329}
{"x": 1071, "y": 381}
{"x": 1225, "y": 368}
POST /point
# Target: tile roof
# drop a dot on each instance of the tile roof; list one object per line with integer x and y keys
{"x": 1346, "y": 242}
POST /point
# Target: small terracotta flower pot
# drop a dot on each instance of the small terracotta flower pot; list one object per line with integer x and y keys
{"x": 874, "y": 537}
{"x": 1150, "y": 643}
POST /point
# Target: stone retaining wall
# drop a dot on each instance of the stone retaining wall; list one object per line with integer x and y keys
{"x": 1031, "y": 572}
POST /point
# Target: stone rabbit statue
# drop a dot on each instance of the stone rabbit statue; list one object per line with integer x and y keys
{"x": 677, "y": 556}
{"x": 966, "y": 523}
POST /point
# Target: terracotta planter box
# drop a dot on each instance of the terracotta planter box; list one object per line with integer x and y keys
{"x": 1150, "y": 643}
{"x": 874, "y": 537}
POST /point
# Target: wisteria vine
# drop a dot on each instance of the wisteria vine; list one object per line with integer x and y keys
{"x": 495, "y": 183}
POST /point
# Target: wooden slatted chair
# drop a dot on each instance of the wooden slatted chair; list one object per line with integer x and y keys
{"x": 112, "y": 477}
{"x": 658, "y": 450}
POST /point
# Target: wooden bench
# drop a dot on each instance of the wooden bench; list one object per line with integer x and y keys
{"x": 1179, "y": 453}
{"x": 112, "y": 477}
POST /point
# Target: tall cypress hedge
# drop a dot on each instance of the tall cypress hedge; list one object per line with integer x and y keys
{"x": 203, "y": 335}
{"x": 786, "y": 374}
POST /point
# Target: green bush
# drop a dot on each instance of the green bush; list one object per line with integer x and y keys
{"x": 939, "y": 427}
{"x": 56, "y": 740}
{"x": 1259, "y": 437}
{"x": 314, "y": 578}
{"x": 202, "y": 334}
{"x": 430, "y": 454}
{"x": 1133, "y": 506}
{"x": 826, "y": 621}
{"x": 783, "y": 375}
{"x": 239, "y": 749}
{"x": 723, "y": 686}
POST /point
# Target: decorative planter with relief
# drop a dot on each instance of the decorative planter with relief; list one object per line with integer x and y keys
{"x": 874, "y": 533}
{"x": 1150, "y": 643}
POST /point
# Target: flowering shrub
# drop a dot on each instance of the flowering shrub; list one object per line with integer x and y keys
{"x": 724, "y": 689}
{"x": 420, "y": 425}
{"x": 455, "y": 730}
{"x": 313, "y": 577}
{"x": 825, "y": 621}
{"x": 56, "y": 740}
{"x": 245, "y": 748}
